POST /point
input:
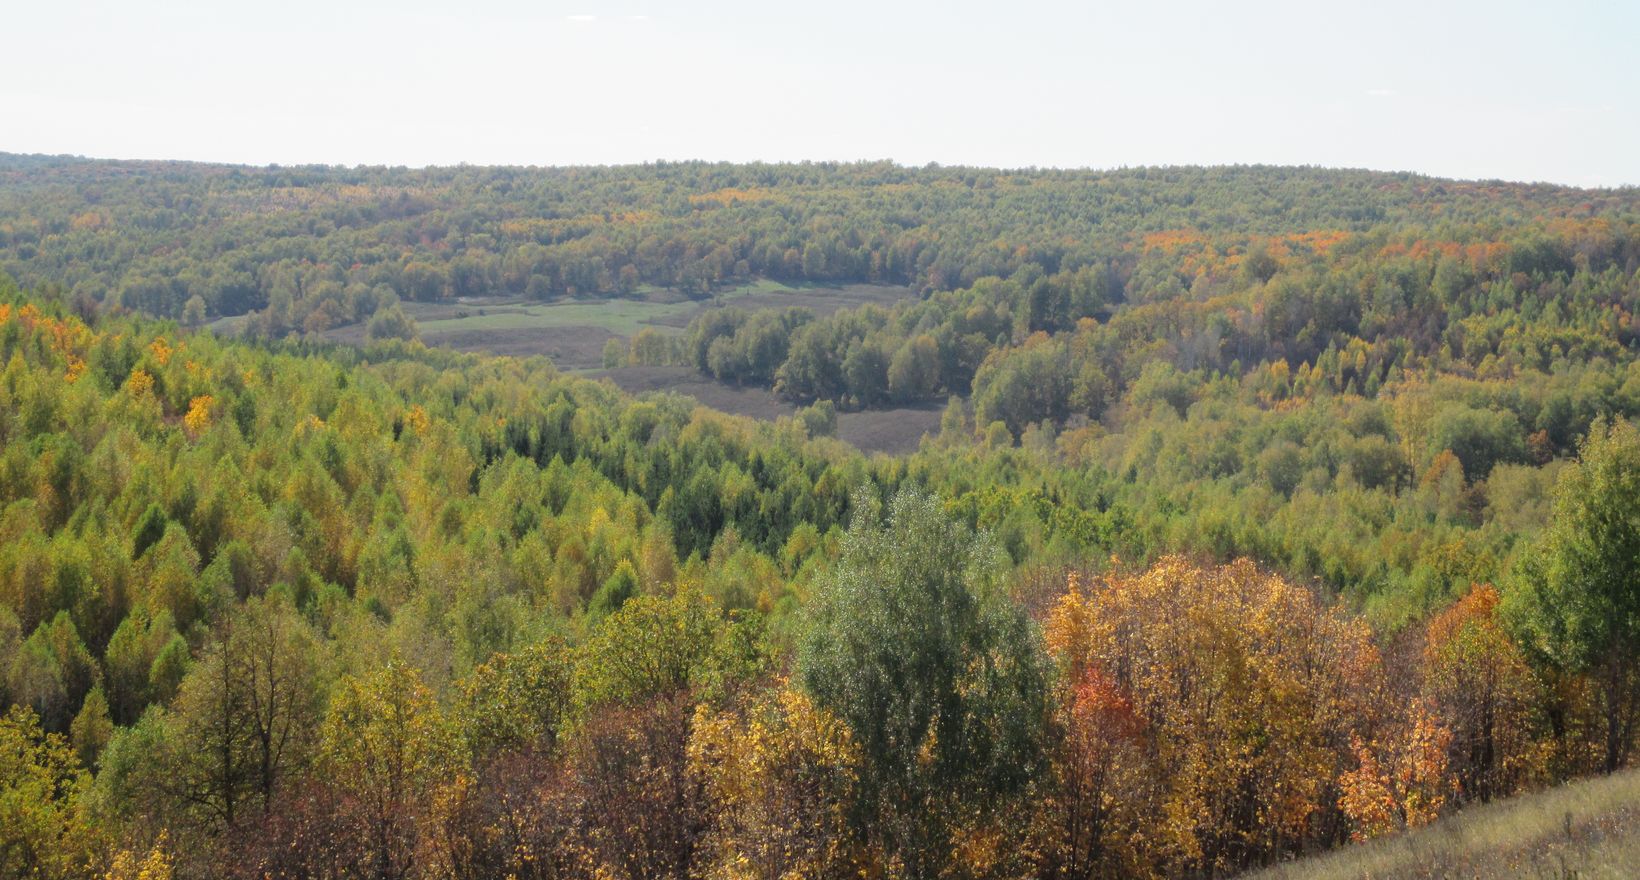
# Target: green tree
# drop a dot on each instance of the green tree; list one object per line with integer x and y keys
{"x": 92, "y": 728}
{"x": 938, "y": 674}
{"x": 247, "y": 712}
{"x": 52, "y": 672}
{"x": 1024, "y": 385}
{"x": 819, "y": 419}
{"x": 193, "y": 311}
{"x": 129, "y": 659}
{"x": 621, "y": 585}
{"x": 517, "y": 701}
{"x": 650, "y": 349}
{"x": 392, "y": 323}
{"x": 914, "y": 371}
{"x": 954, "y": 426}
{"x": 813, "y": 370}
{"x": 997, "y": 435}
{"x": 1479, "y": 438}
{"x": 651, "y": 647}
{"x": 866, "y": 372}
{"x": 1576, "y": 601}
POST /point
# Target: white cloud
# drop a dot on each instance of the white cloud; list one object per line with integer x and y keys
{"x": 581, "y": 17}
{"x": 1381, "y": 93}
{"x": 637, "y": 18}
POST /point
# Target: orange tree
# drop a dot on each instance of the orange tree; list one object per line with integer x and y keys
{"x": 1480, "y": 685}
{"x": 1237, "y": 694}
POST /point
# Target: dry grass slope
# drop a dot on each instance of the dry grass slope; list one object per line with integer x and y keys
{"x": 1583, "y": 830}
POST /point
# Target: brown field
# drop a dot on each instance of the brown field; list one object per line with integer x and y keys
{"x": 569, "y": 348}
{"x": 893, "y": 431}
{"x": 1588, "y": 829}
{"x": 758, "y": 403}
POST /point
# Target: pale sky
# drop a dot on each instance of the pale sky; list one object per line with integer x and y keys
{"x": 1514, "y": 90}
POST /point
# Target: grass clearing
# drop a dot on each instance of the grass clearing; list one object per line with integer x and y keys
{"x": 1589, "y": 830}
{"x": 573, "y": 332}
{"x": 622, "y": 317}
{"x": 666, "y": 313}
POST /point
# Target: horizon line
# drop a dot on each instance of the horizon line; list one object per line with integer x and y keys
{"x": 658, "y": 161}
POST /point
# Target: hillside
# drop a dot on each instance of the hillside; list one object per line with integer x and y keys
{"x": 1588, "y": 829}
{"x": 157, "y": 234}
{"x": 1246, "y": 361}
{"x": 1226, "y": 514}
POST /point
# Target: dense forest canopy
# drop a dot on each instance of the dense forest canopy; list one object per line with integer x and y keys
{"x": 1269, "y": 508}
{"x": 153, "y": 235}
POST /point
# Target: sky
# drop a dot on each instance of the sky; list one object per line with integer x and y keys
{"x": 1516, "y": 91}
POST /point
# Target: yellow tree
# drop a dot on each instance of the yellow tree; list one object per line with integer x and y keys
{"x": 385, "y": 745}
{"x": 140, "y": 383}
{"x": 158, "y": 864}
{"x": 198, "y": 417}
{"x": 778, "y": 777}
{"x": 1247, "y": 691}
{"x": 44, "y": 829}
{"x": 1092, "y": 818}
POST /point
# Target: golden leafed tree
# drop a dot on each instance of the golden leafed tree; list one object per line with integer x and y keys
{"x": 1226, "y": 698}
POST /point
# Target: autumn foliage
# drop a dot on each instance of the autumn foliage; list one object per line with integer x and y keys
{"x": 1400, "y": 779}
{"x": 1476, "y": 679}
{"x": 271, "y": 612}
{"x": 778, "y": 775}
{"x": 1221, "y": 701}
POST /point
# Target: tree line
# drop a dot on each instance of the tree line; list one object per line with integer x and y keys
{"x": 1361, "y": 308}
{"x": 309, "y": 248}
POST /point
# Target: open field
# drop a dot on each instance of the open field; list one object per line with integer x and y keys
{"x": 573, "y": 332}
{"x": 1588, "y": 829}
{"x": 893, "y": 431}
{"x": 765, "y": 294}
{"x": 756, "y": 402}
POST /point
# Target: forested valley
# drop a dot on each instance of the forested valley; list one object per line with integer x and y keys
{"x": 1270, "y": 509}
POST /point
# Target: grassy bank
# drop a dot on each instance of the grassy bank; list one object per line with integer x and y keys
{"x": 1587, "y": 829}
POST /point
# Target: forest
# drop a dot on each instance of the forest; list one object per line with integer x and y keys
{"x": 1271, "y": 509}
